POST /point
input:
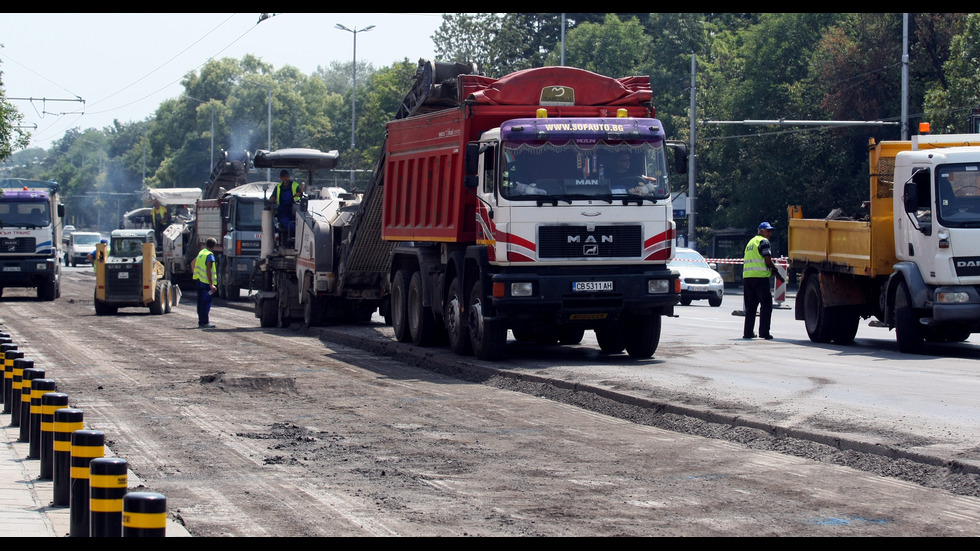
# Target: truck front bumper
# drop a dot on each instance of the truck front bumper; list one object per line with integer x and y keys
{"x": 26, "y": 272}
{"x": 587, "y": 296}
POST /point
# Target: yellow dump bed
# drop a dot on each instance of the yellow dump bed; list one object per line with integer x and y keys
{"x": 854, "y": 247}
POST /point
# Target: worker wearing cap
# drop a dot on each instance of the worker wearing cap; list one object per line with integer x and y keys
{"x": 285, "y": 194}
{"x": 205, "y": 276}
{"x": 757, "y": 267}
{"x": 91, "y": 256}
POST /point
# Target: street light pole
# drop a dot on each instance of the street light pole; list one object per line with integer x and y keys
{"x": 353, "y": 108}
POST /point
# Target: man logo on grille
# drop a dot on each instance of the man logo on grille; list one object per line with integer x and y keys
{"x": 591, "y": 250}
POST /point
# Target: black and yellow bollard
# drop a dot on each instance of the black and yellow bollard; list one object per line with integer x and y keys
{"x": 4, "y": 340}
{"x": 19, "y": 364}
{"x": 144, "y": 515}
{"x": 109, "y": 480}
{"x": 50, "y": 402}
{"x": 66, "y": 422}
{"x": 39, "y": 387}
{"x": 27, "y": 376}
{"x": 86, "y": 445}
{"x": 8, "y": 376}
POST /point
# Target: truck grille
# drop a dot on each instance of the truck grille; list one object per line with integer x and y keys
{"x": 577, "y": 242}
{"x": 251, "y": 248}
{"x": 18, "y": 245}
{"x": 124, "y": 283}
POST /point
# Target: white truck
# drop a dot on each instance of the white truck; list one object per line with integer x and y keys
{"x": 914, "y": 263}
{"x": 30, "y": 236}
{"x": 80, "y": 245}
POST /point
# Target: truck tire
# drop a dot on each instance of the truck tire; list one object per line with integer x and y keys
{"x": 399, "y": 306}
{"x": 168, "y": 299}
{"x": 312, "y": 310}
{"x": 457, "y": 326}
{"x": 268, "y": 313}
{"x": 47, "y": 290}
{"x": 908, "y": 333}
{"x": 610, "y": 339}
{"x": 487, "y": 337}
{"x": 421, "y": 323}
{"x": 848, "y": 320}
{"x": 820, "y": 321}
{"x": 570, "y": 334}
{"x": 157, "y": 306}
{"x": 641, "y": 335}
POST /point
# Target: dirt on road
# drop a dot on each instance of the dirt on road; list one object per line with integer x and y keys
{"x": 259, "y": 432}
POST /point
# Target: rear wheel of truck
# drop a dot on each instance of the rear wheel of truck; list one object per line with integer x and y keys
{"x": 610, "y": 339}
{"x": 570, "y": 335}
{"x": 641, "y": 335}
{"x": 399, "y": 306}
{"x": 457, "y": 327}
{"x": 268, "y": 316}
{"x": 908, "y": 333}
{"x": 820, "y": 321}
{"x": 421, "y": 324}
{"x": 487, "y": 337}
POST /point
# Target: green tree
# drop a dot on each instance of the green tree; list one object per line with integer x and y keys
{"x": 613, "y": 48}
{"x": 12, "y": 136}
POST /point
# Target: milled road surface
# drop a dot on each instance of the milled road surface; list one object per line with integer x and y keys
{"x": 257, "y": 432}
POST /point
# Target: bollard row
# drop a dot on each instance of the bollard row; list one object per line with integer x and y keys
{"x": 94, "y": 487}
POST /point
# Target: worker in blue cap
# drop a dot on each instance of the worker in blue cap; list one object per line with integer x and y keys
{"x": 757, "y": 267}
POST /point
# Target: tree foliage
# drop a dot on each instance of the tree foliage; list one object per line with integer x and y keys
{"x": 759, "y": 66}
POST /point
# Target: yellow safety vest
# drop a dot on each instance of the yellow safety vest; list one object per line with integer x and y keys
{"x": 754, "y": 265}
{"x": 159, "y": 215}
{"x": 295, "y": 191}
{"x": 201, "y": 266}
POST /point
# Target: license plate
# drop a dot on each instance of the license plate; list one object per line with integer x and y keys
{"x": 586, "y": 286}
{"x": 697, "y": 288}
{"x": 123, "y": 275}
{"x": 11, "y": 268}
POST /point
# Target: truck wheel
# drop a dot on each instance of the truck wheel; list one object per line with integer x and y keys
{"x": 610, "y": 339}
{"x": 487, "y": 337}
{"x": 641, "y": 335}
{"x": 268, "y": 316}
{"x": 399, "y": 306}
{"x": 570, "y": 335}
{"x": 47, "y": 290}
{"x": 312, "y": 313}
{"x": 820, "y": 321}
{"x": 168, "y": 297}
{"x": 907, "y": 331}
{"x": 233, "y": 292}
{"x": 457, "y": 326}
{"x": 848, "y": 321}
{"x": 420, "y": 321}
{"x": 157, "y": 307}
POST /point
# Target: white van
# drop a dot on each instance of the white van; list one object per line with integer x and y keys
{"x": 80, "y": 244}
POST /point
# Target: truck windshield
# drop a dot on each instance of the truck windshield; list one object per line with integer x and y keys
{"x": 26, "y": 214}
{"x": 584, "y": 169}
{"x": 958, "y": 195}
{"x": 248, "y": 214}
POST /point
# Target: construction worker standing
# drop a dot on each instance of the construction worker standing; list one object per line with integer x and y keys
{"x": 757, "y": 267}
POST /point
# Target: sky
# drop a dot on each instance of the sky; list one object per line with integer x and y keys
{"x": 124, "y": 65}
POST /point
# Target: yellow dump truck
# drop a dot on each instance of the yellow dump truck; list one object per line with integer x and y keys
{"x": 913, "y": 263}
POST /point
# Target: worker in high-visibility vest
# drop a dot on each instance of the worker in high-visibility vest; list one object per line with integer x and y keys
{"x": 757, "y": 267}
{"x": 205, "y": 275}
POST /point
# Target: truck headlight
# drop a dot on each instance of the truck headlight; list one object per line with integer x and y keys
{"x": 522, "y": 289}
{"x": 657, "y": 286}
{"x": 956, "y": 297}
{"x": 41, "y": 266}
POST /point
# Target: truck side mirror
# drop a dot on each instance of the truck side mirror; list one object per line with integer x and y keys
{"x": 224, "y": 211}
{"x": 61, "y": 210}
{"x": 472, "y": 165}
{"x": 680, "y": 156}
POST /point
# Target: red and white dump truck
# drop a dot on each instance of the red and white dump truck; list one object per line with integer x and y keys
{"x": 499, "y": 204}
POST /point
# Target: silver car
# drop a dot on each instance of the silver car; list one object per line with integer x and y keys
{"x": 699, "y": 280}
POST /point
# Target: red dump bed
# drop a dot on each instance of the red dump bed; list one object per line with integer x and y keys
{"x": 424, "y": 196}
